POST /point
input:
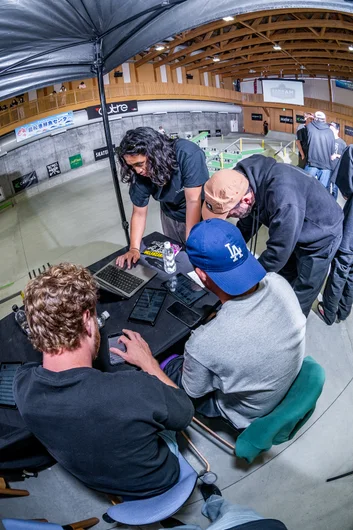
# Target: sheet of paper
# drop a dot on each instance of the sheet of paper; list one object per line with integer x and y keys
{"x": 196, "y": 279}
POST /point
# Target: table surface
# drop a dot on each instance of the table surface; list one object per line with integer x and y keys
{"x": 15, "y": 347}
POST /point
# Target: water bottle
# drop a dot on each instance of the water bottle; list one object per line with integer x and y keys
{"x": 101, "y": 319}
{"x": 169, "y": 258}
{"x": 21, "y": 319}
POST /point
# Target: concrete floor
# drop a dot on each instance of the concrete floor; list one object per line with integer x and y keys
{"x": 79, "y": 221}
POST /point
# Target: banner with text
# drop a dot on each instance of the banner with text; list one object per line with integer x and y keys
{"x": 101, "y": 152}
{"x": 112, "y": 108}
{"x": 286, "y": 119}
{"x": 25, "y": 181}
{"x": 283, "y": 91}
{"x": 51, "y": 123}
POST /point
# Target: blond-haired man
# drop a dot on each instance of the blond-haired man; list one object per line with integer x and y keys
{"x": 107, "y": 429}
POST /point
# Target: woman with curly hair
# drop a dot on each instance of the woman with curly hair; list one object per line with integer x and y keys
{"x": 172, "y": 172}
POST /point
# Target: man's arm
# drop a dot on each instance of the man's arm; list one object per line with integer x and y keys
{"x": 138, "y": 353}
{"x": 179, "y": 409}
{"x": 300, "y": 149}
{"x": 193, "y": 207}
{"x": 285, "y": 227}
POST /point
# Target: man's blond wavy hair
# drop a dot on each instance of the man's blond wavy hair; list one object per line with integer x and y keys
{"x": 55, "y": 302}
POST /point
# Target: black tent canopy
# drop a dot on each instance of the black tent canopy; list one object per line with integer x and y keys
{"x": 49, "y": 41}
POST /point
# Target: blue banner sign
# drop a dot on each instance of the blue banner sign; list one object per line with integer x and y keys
{"x": 344, "y": 84}
{"x": 65, "y": 119}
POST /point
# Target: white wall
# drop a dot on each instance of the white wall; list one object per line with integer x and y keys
{"x": 317, "y": 89}
{"x": 341, "y": 95}
{"x": 247, "y": 86}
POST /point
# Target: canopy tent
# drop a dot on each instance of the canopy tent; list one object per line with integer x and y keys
{"x": 43, "y": 42}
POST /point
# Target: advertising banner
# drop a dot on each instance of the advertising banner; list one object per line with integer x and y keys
{"x": 299, "y": 118}
{"x": 283, "y": 91}
{"x": 112, "y": 108}
{"x": 75, "y": 161}
{"x": 173, "y": 135}
{"x": 344, "y": 84}
{"x": 256, "y": 117}
{"x": 25, "y": 181}
{"x": 53, "y": 169}
{"x": 208, "y": 131}
{"x": 286, "y": 119}
{"x": 218, "y": 132}
{"x": 65, "y": 119}
{"x": 348, "y": 130}
{"x": 101, "y": 152}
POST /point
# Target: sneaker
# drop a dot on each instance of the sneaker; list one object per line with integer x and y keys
{"x": 209, "y": 489}
{"x": 321, "y": 313}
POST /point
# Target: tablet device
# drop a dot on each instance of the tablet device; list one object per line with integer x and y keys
{"x": 7, "y": 374}
{"x": 184, "y": 289}
{"x": 114, "y": 358}
{"x": 187, "y": 316}
{"x": 148, "y": 306}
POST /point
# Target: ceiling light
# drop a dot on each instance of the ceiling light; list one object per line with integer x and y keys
{"x": 216, "y": 59}
{"x": 159, "y": 48}
{"x": 277, "y": 47}
{"x": 252, "y": 71}
{"x": 350, "y": 48}
{"x": 228, "y": 19}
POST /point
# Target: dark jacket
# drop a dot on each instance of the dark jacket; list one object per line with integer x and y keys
{"x": 321, "y": 144}
{"x": 344, "y": 180}
{"x": 294, "y": 206}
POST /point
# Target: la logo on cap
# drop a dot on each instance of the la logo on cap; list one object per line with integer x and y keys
{"x": 209, "y": 206}
{"x": 235, "y": 252}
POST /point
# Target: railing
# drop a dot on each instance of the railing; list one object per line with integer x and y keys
{"x": 76, "y": 99}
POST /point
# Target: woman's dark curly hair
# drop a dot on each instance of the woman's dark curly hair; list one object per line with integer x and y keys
{"x": 160, "y": 152}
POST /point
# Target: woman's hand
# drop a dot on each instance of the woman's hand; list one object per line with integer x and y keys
{"x": 131, "y": 257}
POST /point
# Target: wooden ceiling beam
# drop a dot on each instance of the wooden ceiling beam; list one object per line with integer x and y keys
{"x": 271, "y": 56}
{"x": 239, "y": 45}
{"x": 212, "y": 26}
{"x": 247, "y": 31}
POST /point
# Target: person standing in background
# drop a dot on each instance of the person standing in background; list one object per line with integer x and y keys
{"x": 340, "y": 146}
{"x": 173, "y": 172}
{"x": 301, "y": 140}
{"x": 321, "y": 147}
{"x": 338, "y": 294}
{"x": 82, "y": 85}
{"x": 265, "y": 126}
{"x": 161, "y": 130}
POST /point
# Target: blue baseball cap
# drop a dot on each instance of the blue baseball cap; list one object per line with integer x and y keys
{"x": 218, "y": 248}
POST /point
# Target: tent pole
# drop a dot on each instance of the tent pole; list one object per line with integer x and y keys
{"x": 108, "y": 137}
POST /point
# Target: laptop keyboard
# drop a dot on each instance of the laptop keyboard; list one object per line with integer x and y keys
{"x": 121, "y": 280}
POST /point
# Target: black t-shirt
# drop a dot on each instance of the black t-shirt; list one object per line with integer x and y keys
{"x": 302, "y": 136}
{"x": 191, "y": 173}
{"x": 103, "y": 427}
{"x": 340, "y": 146}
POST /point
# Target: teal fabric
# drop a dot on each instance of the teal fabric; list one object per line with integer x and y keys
{"x": 288, "y": 417}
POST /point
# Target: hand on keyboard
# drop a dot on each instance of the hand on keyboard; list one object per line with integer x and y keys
{"x": 131, "y": 257}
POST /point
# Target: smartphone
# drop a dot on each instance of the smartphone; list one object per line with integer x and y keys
{"x": 184, "y": 289}
{"x": 187, "y": 316}
{"x": 148, "y": 306}
{"x": 7, "y": 375}
{"x": 114, "y": 358}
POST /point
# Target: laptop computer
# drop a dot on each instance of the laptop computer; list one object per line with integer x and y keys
{"x": 124, "y": 282}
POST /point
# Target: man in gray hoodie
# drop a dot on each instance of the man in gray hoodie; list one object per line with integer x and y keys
{"x": 320, "y": 147}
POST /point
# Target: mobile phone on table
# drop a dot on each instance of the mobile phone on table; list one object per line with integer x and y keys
{"x": 113, "y": 342}
{"x": 187, "y": 316}
{"x": 7, "y": 375}
{"x": 148, "y": 306}
{"x": 184, "y": 289}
